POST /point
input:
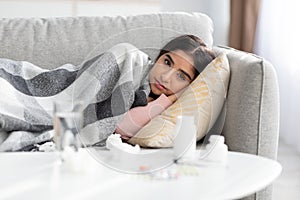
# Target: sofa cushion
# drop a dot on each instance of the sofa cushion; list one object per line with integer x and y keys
{"x": 203, "y": 99}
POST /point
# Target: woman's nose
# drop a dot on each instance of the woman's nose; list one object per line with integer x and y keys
{"x": 166, "y": 76}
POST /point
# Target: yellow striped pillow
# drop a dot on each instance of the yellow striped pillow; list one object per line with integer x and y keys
{"x": 203, "y": 99}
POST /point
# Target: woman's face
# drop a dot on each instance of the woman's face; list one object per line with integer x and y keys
{"x": 172, "y": 72}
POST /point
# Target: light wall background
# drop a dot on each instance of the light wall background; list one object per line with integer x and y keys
{"x": 66, "y": 8}
{"x": 218, "y": 10}
{"x": 277, "y": 40}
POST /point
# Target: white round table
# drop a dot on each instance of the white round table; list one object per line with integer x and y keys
{"x": 38, "y": 175}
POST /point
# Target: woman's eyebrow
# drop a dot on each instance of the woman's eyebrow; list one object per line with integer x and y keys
{"x": 185, "y": 73}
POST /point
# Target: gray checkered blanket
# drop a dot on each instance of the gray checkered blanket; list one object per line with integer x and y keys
{"x": 108, "y": 84}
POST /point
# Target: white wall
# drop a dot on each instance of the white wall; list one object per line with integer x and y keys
{"x": 14, "y": 8}
{"x": 218, "y": 10}
{"x": 278, "y": 41}
{"x": 64, "y": 8}
{"x": 92, "y": 8}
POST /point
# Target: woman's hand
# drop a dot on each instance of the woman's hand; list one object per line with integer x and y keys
{"x": 174, "y": 97}
{"x": 149, "y": 99}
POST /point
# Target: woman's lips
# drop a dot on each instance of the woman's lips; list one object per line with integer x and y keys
{"x": 159, "y": 86}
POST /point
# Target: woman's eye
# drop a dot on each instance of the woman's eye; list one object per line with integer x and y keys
{"x": 181, "y": 76}
{"x": 167, "y": 62}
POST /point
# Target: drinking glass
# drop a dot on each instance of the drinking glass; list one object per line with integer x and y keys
{"x": 68, "y": 121}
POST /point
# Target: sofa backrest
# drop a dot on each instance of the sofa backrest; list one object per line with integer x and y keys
{"x": 52, "y": 42}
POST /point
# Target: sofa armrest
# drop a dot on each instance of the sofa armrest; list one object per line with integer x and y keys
{"x": 252, "y": 118}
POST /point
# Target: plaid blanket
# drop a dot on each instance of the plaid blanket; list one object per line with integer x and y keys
{"x": 108, "y": 84}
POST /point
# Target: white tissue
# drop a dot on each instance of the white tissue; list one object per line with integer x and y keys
{"x": 114, "y": 142}
{"x": 216, "y": 150}
{"x": 47, "y": 147}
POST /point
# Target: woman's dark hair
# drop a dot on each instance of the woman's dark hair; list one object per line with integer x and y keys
{"x": 193, "y": 46}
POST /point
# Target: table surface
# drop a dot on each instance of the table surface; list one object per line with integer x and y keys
{"x": 40, "y": 175}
